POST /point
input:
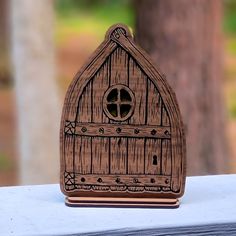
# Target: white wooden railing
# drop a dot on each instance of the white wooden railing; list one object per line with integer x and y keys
{"x": 207, "y": 208}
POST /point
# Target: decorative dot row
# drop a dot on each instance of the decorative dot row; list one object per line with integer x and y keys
{"x": 118, "y": 180}
{"x": 118, "y": 130}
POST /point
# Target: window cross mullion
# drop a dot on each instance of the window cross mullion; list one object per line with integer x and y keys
{"x": 118, "y": 104}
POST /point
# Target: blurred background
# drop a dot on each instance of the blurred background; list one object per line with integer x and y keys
{"x": 44, "y": 43}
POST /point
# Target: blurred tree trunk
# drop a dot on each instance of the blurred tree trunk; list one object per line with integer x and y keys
{"x": 184, "y": 39}
{"x": 5, "y": 76}
{"x": 36, "y": 90}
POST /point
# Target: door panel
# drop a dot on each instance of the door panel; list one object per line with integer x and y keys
{"x": 166, "y": 157}
{"x": 118, "y": 146}
{"x": 100, "y": 155}
{"x": 119, "y": 156}
{"x": 166, "y": 146}
{"x": 136, "y": 146}
{"x": 69, "y": 152}
{"x": 136, "y": 156}
{"x": 82, "y": 155}
{"x": 153, "y": 155}
{"x": 100, "y": 146}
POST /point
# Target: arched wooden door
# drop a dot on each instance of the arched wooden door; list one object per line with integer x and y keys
{"x": 117, "y": 134}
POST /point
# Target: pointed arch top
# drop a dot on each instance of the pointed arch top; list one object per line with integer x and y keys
{"x": 120, "y": 36}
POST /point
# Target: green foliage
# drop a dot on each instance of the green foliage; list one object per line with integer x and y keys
{"x": 93, "y": 17}
{"x": 230, "y": 16}
{"x": 80, "y": 16}
{"x": 230, "y": 49}
{"x": 231, "y": 45}
{"x": 231, "y": 104}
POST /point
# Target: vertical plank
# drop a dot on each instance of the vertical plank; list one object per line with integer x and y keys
{"x": 166, "y": 157}
{"x": 119, "y": 67}
{"x": 69, "y": 153}
{"x": 118, "y": 155}
{"x": 137, "y": 83}
{"x": 136, "y": 156}
{"x": 100, "y": 155}
{"x": 154, "y": 105}
{"x": 118, "y": 146}
{"x": 166, "y": 145}
{"x": 83, "y": 157}
{"x": 165, "y": 117}
{"x": 82, "y": 147}
{"x": 153, "y": 117}
{"x": 100, "y": 146}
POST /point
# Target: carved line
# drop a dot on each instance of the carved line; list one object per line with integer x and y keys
{"x": 71, "y": 131}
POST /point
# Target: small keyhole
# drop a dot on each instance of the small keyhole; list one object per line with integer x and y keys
{"x": 154, "y": 160}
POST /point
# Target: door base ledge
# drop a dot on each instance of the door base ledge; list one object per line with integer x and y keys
{"x": 122, "y": 202}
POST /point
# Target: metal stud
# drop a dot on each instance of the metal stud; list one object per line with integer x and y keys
{"x": 82, "y": 179}
{"x": 136, "y": 131}
{"x": 166, "y": 132}
{"x": 153, "y": 132}
{"x": 118, "y": 130}
{"x": 101, "y": 130}
{"x": 117, "y": 180}
{"x": 83, "y": 129}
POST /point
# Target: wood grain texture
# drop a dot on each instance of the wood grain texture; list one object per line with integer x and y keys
{"x": 118, "y": 146}
{"x": 83, "y": 145}
{"x": 121, "y": 122}
{"x": 153, "y": 147}
{"x": 124, "y": 180}
{"x": 153, "y": 151}
{"x": 169, "y": 98}
{"x": 124, "y": 130}
{"x": 166, "y": 164}
{"x": 69, "y": 153}
{"x": 100, "y": 146}
{"x": 136, "y": 150}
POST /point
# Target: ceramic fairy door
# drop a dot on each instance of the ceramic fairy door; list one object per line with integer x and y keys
{"x": 122, "y": 137}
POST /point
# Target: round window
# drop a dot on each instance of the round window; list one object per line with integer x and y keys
{"x": 118, "y": 102}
